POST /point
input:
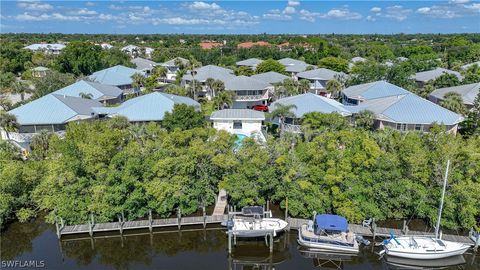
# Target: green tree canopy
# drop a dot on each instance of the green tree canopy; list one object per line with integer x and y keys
{"x": 270, "y": 65}
{"x": 183, "y": 117}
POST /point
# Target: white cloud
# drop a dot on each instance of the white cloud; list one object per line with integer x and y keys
{"x": 203, "y": 6}
{"x": 34, "y": 5}
{"x": 276, "y": 15}
{"x": 475, "y": 7}
{"x": 443, "y": 12}
{"x": 376, "y": 9}
{"x": 293, "y": 3}
{"x": 84, "y": 11}
{"x": 459, "y": 1}
{"x": 289, "y": 10}
{"x": 90, "y": 4}
{"x": 397, "y": 12}
{"x": 370, "y": 18}
{"x": 342, "y": 14}
{"x": 308, "y": 15}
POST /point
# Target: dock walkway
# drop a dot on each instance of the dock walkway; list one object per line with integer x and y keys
{"x": 221, "y": 203}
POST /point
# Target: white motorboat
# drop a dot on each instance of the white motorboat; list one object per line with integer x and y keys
{"x": 328, "y": 233}
{"x": 424, "y": 247}
{"x": 402, "y": 263}
{"x": 255, "y": 222}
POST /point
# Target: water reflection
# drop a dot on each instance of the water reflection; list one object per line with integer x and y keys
{"x": 192, "y": 248}
{"x": 402, "y": 263}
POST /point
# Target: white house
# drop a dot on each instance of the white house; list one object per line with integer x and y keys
{"x": 248, "y": 91}
{"x": 173, "y": 66}
{"x": 53, "y": 48}
{"x": 238, "y": 121}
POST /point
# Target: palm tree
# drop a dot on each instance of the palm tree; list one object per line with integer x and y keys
{"x": 223, "y": 99}
{"x": 21, "y": 88}
{"x": 160, "y": 72}
{"x": 281, "y": 112}
{"x": 179, "y": 75}
{"x": 209, "y": 82}
{"x": 179, "y": 63}
{"x": 365, "y": 119}
{"x": 9, "y": 123}
{"x": 40, "y": 143}
{"x": 5, "y": 104}
{"x": 137, "y": 80}
{"x": 303, "y": 86}
{"x": 333, "y": 86}
{"x": 86, "y": 95}
{"x": 290, "y": 87}
{"x": 454, "y": 102}
{"x": 217, "y": 87}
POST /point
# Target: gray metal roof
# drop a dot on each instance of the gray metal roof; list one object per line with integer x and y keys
{"x": 97, "y": 90}
{"x": 467, "y": 66}
{"x": 210, "y": 71}
{"x": 237, "y": 114}
{"x": 426, "y": 76}
{"x": 251, "y": 62}
{"x": 40, "y": 68}
{"x": 358, "y": 59}
{"x": 309, "y": 102}
{"x": 323, "y": 74}
{"x": 468, "y": 92}
{"x": 142, "y": 63}
{"x": 116, "y": 75}
{"x": 373, "y": 90}
{"x": 171, "y": 63}
{"x": 239, "y": 83}
{"x": 293, "y": 65}
{"x": 270, "y": 77}
{"x": 408, "y": 109}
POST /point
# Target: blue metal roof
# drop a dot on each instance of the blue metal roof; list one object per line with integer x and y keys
{"x": 96, "y": 89}
{"x": 117, "y": 75}
{"x": 373, "y": 90}
{"x": 151, "y": 107}
{"x": 309, "y": 102}
{"x": 408, "y": 109}
{"x": 53, "y": 109}
{"x": 328, "y": 222}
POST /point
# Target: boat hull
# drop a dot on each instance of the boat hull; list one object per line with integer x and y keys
{"x": 269, "y": 226}
{"x": 329, "y": 247}
{"x": 426, "y": 256}
{"x": 427, "y": 250}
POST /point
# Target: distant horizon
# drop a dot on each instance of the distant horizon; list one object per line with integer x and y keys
{"x": 241, "y": 17}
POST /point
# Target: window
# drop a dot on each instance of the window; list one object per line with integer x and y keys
{"x": 418, "y": 127}
{"x": 237, "y": 124}
{"x": 401, "y": 127}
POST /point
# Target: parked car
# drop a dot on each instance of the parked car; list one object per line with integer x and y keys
{"x": 262, "y": 108}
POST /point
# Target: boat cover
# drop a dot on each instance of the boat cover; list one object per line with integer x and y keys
{"x": 328, "y": 222}
{"x": 252, "y": 210}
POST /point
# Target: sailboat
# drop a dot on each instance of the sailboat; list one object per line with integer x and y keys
{"x": 424, "y": 247}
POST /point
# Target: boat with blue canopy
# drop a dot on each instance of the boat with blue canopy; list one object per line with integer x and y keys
{"x": 329, "y": 233}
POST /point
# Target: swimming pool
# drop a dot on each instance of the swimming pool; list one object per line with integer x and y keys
{"x": 239, "y": 140}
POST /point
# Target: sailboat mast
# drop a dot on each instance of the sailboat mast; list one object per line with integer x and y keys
{"x": 437, "y": 228}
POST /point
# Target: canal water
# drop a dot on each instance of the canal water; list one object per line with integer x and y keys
{"x": 191, "y": 248}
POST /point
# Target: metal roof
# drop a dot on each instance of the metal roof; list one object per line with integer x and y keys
{"x": 409, "y": 109}
{"x": 309, "y": 102}
{"x": 426, "y": 76}
{"x": 467, "y": 66}
{"x": 251, "y": 62}
{"x": 97, "y": 90}
{"x": 358, "y": 59}
{"x": 293, "y": 65}
{"x": 130, "y": 48}
{"x": 237, "y": 114}
{"x": 270, "y": 77}
{"x": 373, "y": 90}
{"x": 54, "y": 109}
{"x": 468, "y": 92}
{"x": 142, "y": 63}
{"x": 239, "y": 83}
{"x": 45, "y": 46}
{"x": 150, "y": 107}
{"x": 323, "y": 74}
{"x": 210, "y": 71}
{"x": 40, "y": 68}
{"x": 171, "y": 63}
{"x": 117, "y": 75}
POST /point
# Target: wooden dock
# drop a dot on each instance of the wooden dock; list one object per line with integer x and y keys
{"x": 221, "y": 203}
{"x": 141, "y": 224}
{"x": 296, "y": 223}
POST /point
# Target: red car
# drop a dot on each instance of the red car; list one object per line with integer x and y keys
{"x": 262, "y": 108}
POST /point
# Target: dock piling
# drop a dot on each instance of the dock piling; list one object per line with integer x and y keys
{"x": 179, "y": 218}
{"x": 204, "y": 217}
{"x": 374, "y": 228}
{"x": 229, "y": 243}
{"x": 150, "y": 220}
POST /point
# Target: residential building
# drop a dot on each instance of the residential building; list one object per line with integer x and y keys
{"x": 39, "y": 72}
{"x": 105, "y": 46}
{"x": 307, "y": 103}
{"x": 203, "y": 73}
{"x": 355, "y": 60}
{"x": 248, "y": 91}
{"x": 47, "y": 48}
{"x": 293, "y": 66}
{"x": 120, "y": 76}
{"x": 270, "y": 77}
{"x": 173, "y": 66}
{"x": 398, "y": 108}
{"x": 131, "y": 50}
{"x": 468, "y": 93}
{"x": 51, "y": 112}
{"x": 249, "y": 44}
{"x": 238, "y": 121}
{"x": 106, "y": 94}
{"x": 421, "y": 78}
{"x": 144, "y": 65}
{"x": 148, "y": 52}
{"x": 318, "y": 79}
{"x": 207, "y": 45}
{"x": 147, "y": 108}
{"x": 251, "y": 63}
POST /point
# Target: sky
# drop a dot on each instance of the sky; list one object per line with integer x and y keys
{"x": 240, "y": 17}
